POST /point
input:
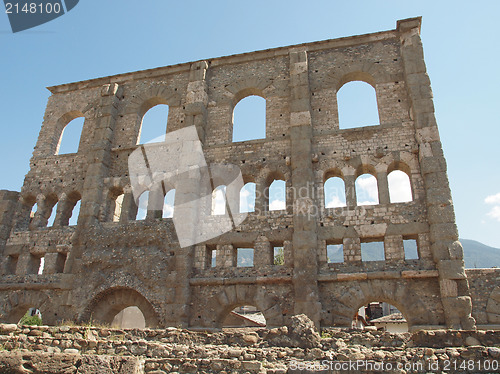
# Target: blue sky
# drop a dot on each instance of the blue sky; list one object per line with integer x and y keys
{"x": 99, "y": 38}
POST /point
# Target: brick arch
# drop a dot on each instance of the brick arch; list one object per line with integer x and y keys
{"x": 17, "y": 303}
{"x": 238, "y": 295}
{"x": 365, "y": 168}
{"x": 353, "y": 76}
{"x": 145, "y": 100}
{"x": 332, "y": 173}
{"x": 370, "y": 73}
{"x": 493, "y": 307}
{"x": 107, "y": 304}
{"x": 246, "y": 87}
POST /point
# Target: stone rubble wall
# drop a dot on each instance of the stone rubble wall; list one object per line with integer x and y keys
{"x": 65, "y": 349}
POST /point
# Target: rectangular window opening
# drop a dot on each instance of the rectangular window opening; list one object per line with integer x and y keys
{"x": 12, "y": 265}
{"x": 244, "y": 257}
{"x": 36, "y": 264}
{"x": 61, "y": 262}
{"x": 410, "y": 248}
{"x": 335, "y": 252}
{"x": 278, "y": 255}
{"x": 372, "y": 250}
{"x": 41, "y": 265}
{"x": 211, "y": 257}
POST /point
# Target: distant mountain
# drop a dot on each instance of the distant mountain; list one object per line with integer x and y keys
{"x": 479, "y": 255}
{"x": 476, "y": 254}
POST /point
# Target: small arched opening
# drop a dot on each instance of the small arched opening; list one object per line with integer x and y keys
{"x": 219, "y": 201}
{"x": 334, "y": 190}
{"x": 366, "y": 190}
{"x": 142, "y": 206}
{"x": 399, "y": 187}
{"x": 276, "y": 194}
{"x": 247, "y": 198}
{"x": 169, "y": 204}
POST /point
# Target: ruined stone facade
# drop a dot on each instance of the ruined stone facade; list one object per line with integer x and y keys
{"x": 108, "y": 262}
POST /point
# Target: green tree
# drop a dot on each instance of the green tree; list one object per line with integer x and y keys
{"x": 279, "y": 256}
{"x": 30, "y": 320}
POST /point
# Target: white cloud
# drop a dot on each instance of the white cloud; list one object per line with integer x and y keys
{"x": 366, "y": 189}
{"x": 335, "y": 202}
{"x": 493, "y": 199}
{"x": 495, "y": 210}
{"x": 495, "y": 213}
{"x": 277, "y": 205}
{"x": 399, "y": 187}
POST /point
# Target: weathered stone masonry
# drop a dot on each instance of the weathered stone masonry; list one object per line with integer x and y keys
{"x": 108, "y": 262}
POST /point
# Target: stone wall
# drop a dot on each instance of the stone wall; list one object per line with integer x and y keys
{"x": 110, "y": 261}
{"x": 485, "y": 292}
{"x": 277, "y": 351}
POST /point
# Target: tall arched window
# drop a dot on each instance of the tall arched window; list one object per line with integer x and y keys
{"x": 357, "y": 105}
{"x": 334, "y": 189}
{"x": 219, "y": 201}
{"x": 69, "y": 140}
{"x": 154, "y": 125}
{"x": 277, "y": 195}
{"x": 73, "y": 220}
{"x": 247, "y": 198}
{"x": 399, "y": 187}
{"x": 117, "y": 208}
{"x": 142, "y": 206}
{"x": 249, "y": 119}
{"x": 168, "y": 205}
{"x": 53, "y": 214}
{"x": 366, "y": 190}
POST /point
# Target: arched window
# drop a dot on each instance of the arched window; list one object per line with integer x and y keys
{"x": 168, "y": 205}
{"x": 33, "y": 211}
{"x": 247, "y": 198}
{"x": 154, "y": 125}
{"x": 366, "y": 190}
{"x": 69, "y": 140}
{"x": 249, "y": 119}
{"x": 117, "y": 208}
{"x": 219, "y": 201}
{"x": 399, "y": 187}
{"x": 73, "y": 220}
{"x": 277, "y": 195}
{"x": 53, "y": 213}
{"x": 357, "y": 105}
{"x": 334, "y": 189}
{"x": 142, "y": 206}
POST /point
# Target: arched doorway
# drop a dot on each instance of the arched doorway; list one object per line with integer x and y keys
{"x": 108, "y": 304}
